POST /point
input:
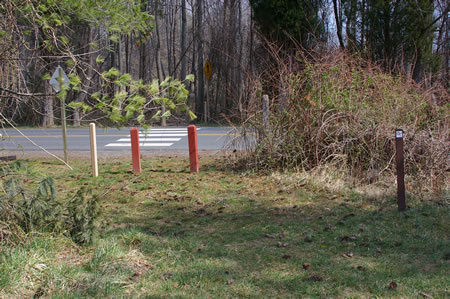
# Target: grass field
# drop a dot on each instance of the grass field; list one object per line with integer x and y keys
{"x": 220, "y": 234}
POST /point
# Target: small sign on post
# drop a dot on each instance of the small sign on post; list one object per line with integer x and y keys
{"x": 208, "y": 70}
{"x": 55, "y": 80}
{"x": 205, "y": 109}
{"x": 58, "y": 80}
{"x": 401, "y": 202}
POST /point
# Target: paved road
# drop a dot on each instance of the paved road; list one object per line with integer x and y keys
{"x": 111, "y": 139}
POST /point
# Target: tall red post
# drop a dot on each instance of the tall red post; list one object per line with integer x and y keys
{"x": 135, "y": 151}
{"x": 193, "y": 148}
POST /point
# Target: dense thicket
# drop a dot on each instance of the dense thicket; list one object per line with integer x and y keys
{"x": 341, "y": 105}
{"x": 338, "y": 109}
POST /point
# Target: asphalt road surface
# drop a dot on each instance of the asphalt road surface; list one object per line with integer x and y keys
{"x": 111, "y": 139}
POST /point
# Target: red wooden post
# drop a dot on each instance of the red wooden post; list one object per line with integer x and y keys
{"x": 193, "y": 148}
{"x": 135, "y": 151}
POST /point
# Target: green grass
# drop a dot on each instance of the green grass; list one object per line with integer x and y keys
{"x": 220, "y": 234}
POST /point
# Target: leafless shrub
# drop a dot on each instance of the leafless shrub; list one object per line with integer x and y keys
{"x": 342, "y": 109}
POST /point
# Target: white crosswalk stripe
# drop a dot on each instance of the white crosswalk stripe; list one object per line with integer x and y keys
{"x": 162, "y": 135}
{"x": 150, "y": 139}
{"x": 170, "y": 129}
{"x": 158, "y": 137}
{"x": 140, "y": 144}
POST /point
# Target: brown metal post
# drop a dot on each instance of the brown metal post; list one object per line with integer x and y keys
{"x": 400, "y": 170}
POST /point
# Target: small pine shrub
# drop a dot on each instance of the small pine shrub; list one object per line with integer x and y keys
{"x": 32, "y": 210}
{"x": 84, "y": 216}
{"x": 26, "y": 208}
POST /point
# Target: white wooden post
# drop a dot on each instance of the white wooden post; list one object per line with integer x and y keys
{"x": 93, "y": 149}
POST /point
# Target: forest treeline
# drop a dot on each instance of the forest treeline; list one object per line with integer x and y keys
{"x": 120, "y": 52}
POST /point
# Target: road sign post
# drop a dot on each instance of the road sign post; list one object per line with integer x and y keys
{"x": 58, "y": 80}
{"x": 400, "y": 170}
{"x": 63, "y": 115}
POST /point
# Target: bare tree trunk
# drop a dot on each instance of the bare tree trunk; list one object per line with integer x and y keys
{"x": 48, "y": 117}
{"x": 122, "y": 54}
{"x": 363, "y": 22}
{"x": 200, "y": 77}
{"x": 446, "y": 40}
{"x": 159, "y": 67}
{"x": 76, "y": 117}
{"x": 419, "y": 70}
{"x": 226, "y": 48}
{"x": 174, "y": 35}
{"x": 250, "y": 50}
{"x": 168, "y": 37}
{"x": 142, "y": 62}
{"x": 77, "y": 114}
{"x": 350, "y": 27}
{"x": 338, "y": 17}
{"x": 183, "y": 40}
{"x": 193, "y": 85}
{"x": 239, "y": 69}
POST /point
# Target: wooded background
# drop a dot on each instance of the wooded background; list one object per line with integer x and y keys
{"x": 155, "y": 39}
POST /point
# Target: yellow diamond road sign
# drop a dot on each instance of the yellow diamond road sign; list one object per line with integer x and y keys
{"x": 208, "y": 70}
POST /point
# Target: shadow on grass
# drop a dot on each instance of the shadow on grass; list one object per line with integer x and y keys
{"x": 222, "y": 235}
{"x": 313, "y": 249}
